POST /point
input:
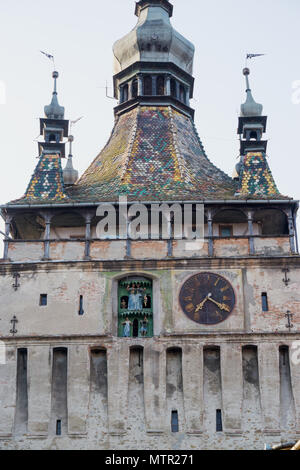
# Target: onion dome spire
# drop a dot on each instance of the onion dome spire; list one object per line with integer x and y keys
{"x": 69, "y": 173}
{"x": 54, "y": 110}
{"x": 250, "y": 107}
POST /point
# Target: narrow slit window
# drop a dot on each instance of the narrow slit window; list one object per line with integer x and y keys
{"x": 58, "y": 427}
{"x": 81, "y": 311}
{"x": 43, "y": 300}
{"x": 174, "y": 421}
{"x": 219, "y": 424}
{"x": 264, "y": 301}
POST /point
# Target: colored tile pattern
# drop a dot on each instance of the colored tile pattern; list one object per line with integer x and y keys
{"x": 256, "y": 177}
{"x": 154, "y": 153}
{"x": 46, "y": 183}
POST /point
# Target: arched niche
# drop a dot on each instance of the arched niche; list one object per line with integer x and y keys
{"x": 69, "y": 224}
{"x": 135, "y": 307}
{"x": 271, "y": 222}
{"x": 28, "y": 225}
{"x": 230, "y": 222}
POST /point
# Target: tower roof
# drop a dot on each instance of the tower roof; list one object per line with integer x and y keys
{"x": 154, "y": 153}
{"x": 153, "y": 39}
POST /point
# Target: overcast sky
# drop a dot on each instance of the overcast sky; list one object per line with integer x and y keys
{"x": 81, "y": 33}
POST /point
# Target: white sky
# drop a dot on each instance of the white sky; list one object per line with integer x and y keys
{"x": 81, "y": 34}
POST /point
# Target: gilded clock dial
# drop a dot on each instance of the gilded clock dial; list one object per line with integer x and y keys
{"x": 207, "y": 298}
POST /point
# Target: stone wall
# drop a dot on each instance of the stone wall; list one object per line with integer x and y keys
{"x": 121, "y": 393}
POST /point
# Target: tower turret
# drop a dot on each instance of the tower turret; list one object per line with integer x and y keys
{"x": 252, "y": 125}
{"x": 252, "y": 172}
{"x": 54, "y": 127}
{"x": 153, "y": 64}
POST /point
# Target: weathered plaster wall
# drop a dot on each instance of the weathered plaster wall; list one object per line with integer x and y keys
{"x": 65, "y": 284}
{"x": 123, "y": 398}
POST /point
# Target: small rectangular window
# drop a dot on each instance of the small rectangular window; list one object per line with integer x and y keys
{"x": 58, "y": 427}
{"x": 174, "y": 421}
{"x": 264, "y": 301}
{"x": 43, "y": 300}
{"x": 219, "y": 424}
{"x": 226, "y": 231}
{"x": 81, "y": 311}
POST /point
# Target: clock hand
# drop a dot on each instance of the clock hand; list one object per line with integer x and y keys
{"x": 200, "y": 306}
{"x": 221, "y": 306}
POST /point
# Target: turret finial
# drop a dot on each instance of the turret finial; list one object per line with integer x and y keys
{"x": 69, "y": 173}
{"x": 54, "y": 110}
{"x": 250, "y": 107}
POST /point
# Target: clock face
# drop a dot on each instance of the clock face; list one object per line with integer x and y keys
{"x": 207, "y": 298}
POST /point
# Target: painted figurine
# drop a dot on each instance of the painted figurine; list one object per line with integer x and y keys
{"x": 144, "y": 326}
{"x": 126, "y": 328}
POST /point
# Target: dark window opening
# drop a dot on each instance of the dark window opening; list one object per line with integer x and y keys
{"x": 58, "y": 427}
{"x": 219, "y": 424}
{"x": 182, "y": 93}
{"x": 135, "y": 328}
{"x": 43, "y": 300}
{"x": 134, "y": 89}
{"x": 174, "y": 421}
{"x": 21, "y": 416}
{"x": 81, "y": 311}
{"x": 160, "y": 86}
{"x": 148, "y": 86}
{"x": 148, "y": 47}
{"x": 264, "y": 300}
{"x": 158, "y": 47}
{"x": 125, "y": 93}
{"x": 253, "y": 135}
{"x": 52, "y": 138}
{"x": 173, "y": 88}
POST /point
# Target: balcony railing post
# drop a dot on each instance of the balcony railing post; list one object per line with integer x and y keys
{"x": 8, "y": 220}
{"x": 250, "y": 232}
{"x": 210, "y": 233}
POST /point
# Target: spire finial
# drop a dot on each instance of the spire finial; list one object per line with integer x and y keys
{"x": 55, "y": 76}
{"x": 69, "y": 173}
{"x": 250, "y": 107}
{"x": 54, "y": 110}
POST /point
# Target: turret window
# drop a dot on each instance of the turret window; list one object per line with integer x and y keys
{"x": 173, "y": 88}
{"x": 125, "y": 93}
{"x": 182, "y": 93}
{"x": 134, "y": 88}
{"x": 148, "y": 85}
{"x": 160, "y": 85}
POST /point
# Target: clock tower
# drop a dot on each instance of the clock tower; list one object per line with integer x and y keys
{"x": 127, "y": 341}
